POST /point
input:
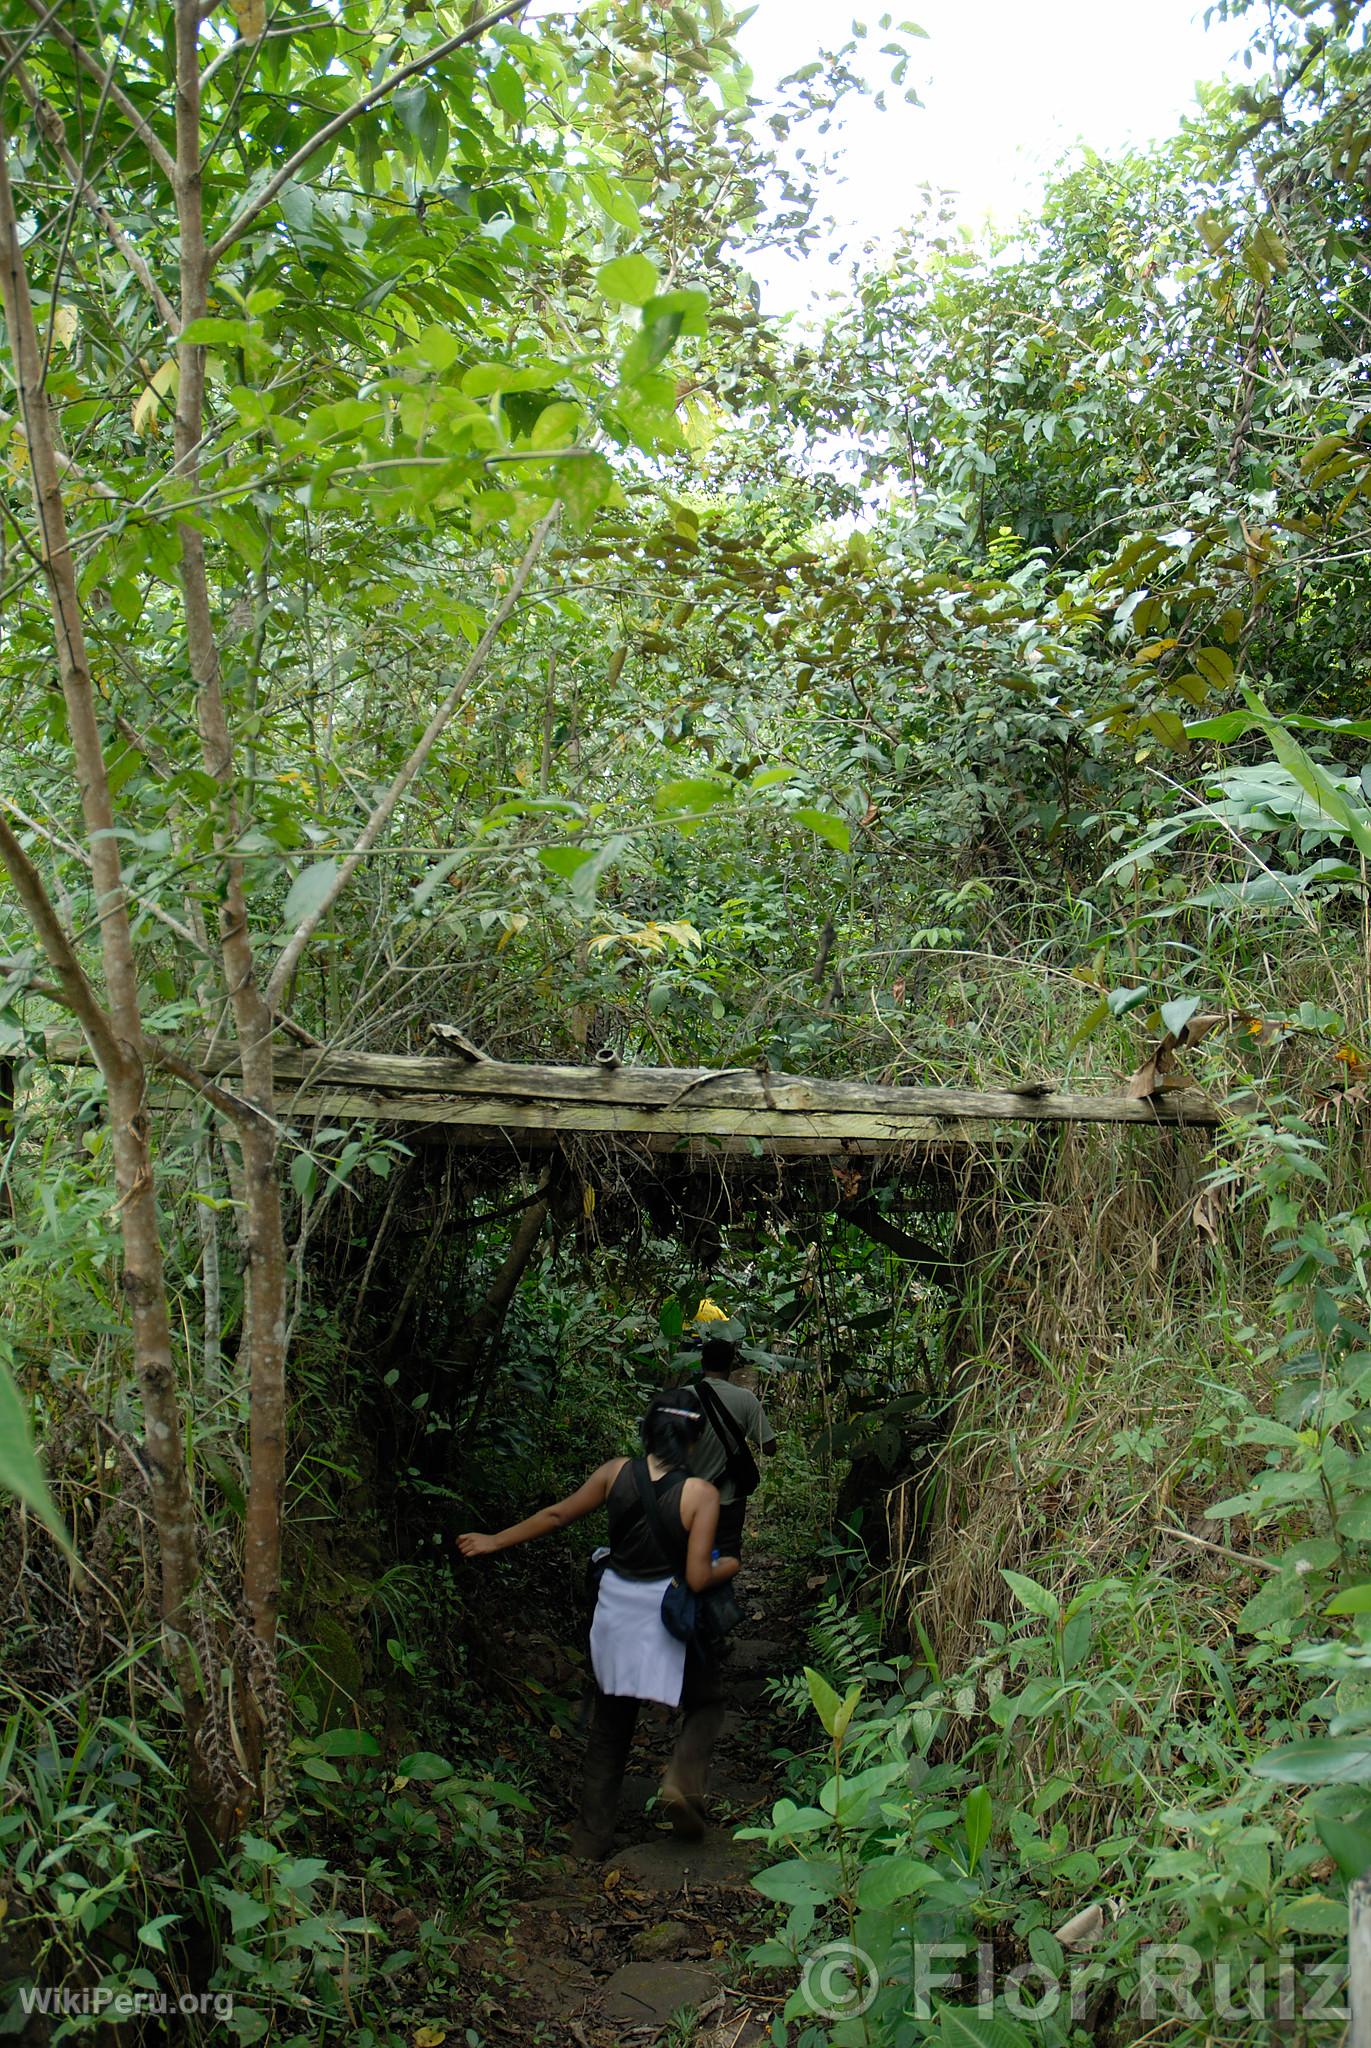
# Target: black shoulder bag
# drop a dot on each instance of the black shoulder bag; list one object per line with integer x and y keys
{"x": 740, "y": 1468}
{"x": 702, "y": 1618}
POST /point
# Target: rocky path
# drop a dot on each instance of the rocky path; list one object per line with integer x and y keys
{"x": 614, "y": 1952}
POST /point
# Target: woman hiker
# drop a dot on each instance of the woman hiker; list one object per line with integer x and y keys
{"x": 633, "y": 1655}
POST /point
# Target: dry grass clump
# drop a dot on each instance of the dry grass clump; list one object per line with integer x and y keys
{"x": 1097, "y": 1342}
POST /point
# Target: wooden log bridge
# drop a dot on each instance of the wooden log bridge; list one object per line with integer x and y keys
{"x": 700, "y": 1109}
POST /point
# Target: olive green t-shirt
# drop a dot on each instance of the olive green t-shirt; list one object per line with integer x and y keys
{"x": 710, "y": 1455}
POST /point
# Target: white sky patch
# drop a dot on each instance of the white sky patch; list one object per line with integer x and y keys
{"x": 1008, "y": 86}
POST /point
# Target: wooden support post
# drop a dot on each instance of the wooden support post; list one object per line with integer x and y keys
{"x": 1359, "y": 1963}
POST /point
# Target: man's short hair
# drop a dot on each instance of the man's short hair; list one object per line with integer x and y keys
{"x": 718, "y": 1354}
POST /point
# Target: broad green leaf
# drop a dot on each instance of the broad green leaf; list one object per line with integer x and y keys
{"x": 1354, "y": 1600}
{"x": 308, "y": 891}
{"x": 151, "y": 1931}
{"x": 801, "y": 1880}
{"x": 20, "y": 1472}
{"x": 826, "y": 1701}
{"x": 1227, "y": 727}
{"x": 631, "y": 280}
{"x": 564, "y": 859}
{"x": 1215, "y": 666}
{"x": 424, "y": 1767}
{"x": 687, "y": 310}
{"x": 692, "y": 793}
{"x": 889, "y": 1878}
{"x": 1177, "y": 1013}
{"x": 556, "y": 425}
{"x": 977, "y": 1818}
{"x": 1343, "y": 1762}
{"x": 842, "y": 1720}
{"x": 345, "y": 1742}
{"x": 834, "y": 829}
{"x": 965, "y": 2026}
{"x": 1348, "y": 1843}
{"x": 507, "y": 91}
{"x": 1033, "y": 1596}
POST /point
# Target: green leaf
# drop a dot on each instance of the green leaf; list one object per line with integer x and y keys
{"x": 1343, "y": 1762}
{"x": 1355, "y": 1600}
{"x": 507, "y": 91}
{"x": 1033, "y": 1596}
{"x": 1177, "y": 1014}
{"x": 671, "y": 1317}
{"x": 20, "y": 1472}
{"x": 1215, "y": 666}
{"x": 801, "y": 1881}
{"x": 1348, "y": 1843}
{"x": 423, "y": 1766}
{"x": 631, "y": 280}
{"x": 565, "y": 860}
{"x": 977, "y": 1816}
{"x": 890, "y": 1878}
{"x": 843, "y": 1718}
{"x": 345, "y": 1742}
{"x": 304, "y": 1175}
{"x": 206, "y": 332}
{"x": 556, "y": 425}
{"x": 691, "y": 793}
{"x": 439, "y": 347}
{"x": 1227, "y": 727}
{"x": 308, "y": 892}
{"x": 965, "y": 2026}
{"x": 150, "y": 1933}
{"x": 826, "y": 1701}
{"x": 688, "y": 311}
{"x": 834, "y": 829}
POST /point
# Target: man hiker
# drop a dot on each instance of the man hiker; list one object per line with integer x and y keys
{"x": 735, "y": 1424}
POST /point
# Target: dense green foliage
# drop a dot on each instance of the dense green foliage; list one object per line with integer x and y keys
{"x": 971, "y": 685}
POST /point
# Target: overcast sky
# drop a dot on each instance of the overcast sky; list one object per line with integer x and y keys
{"x": 1006, "y": 86}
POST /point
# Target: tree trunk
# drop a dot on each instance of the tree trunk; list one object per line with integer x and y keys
{"x": 113, "y": 1029}
{"x": 265, "y": 1307}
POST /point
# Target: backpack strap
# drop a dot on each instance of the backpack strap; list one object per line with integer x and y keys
{"x": 647, "y": 1494}
{"x": 740, "y": 1467}
{"x": 725, "y": 1428}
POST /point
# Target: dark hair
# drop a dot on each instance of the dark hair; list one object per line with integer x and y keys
{"x": 672, "y": 1424}
{"x": 718, "y": 1354}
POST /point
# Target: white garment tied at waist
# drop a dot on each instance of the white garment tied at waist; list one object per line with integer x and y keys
{"x": 632, "y": 1653}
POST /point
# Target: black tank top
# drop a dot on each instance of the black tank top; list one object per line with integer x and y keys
{"x": 633, "y": 1550}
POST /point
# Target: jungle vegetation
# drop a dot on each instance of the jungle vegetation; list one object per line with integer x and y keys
{"x": 436, "y": 588}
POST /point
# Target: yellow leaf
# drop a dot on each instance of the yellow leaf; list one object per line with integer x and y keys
{"x": 161, "y": 387}
{"x": 64, "y": 325}
{"x": 710, "y": 1312}
{"x": 429, "y": 2037}
{"x": 587, "y": 1200}
{"x": 251, "y": 17}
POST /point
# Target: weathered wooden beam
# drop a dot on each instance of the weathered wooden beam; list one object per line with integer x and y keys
{"x": 817, "y": 1131}
{"x": 688, "y": 1101}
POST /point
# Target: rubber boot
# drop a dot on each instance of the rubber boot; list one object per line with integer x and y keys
{"x": 683, "y": 1787}
{"x": 607, "y": 1746}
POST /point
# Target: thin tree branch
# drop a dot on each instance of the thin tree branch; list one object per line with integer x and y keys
{"x": 243, "y": 220}
{"x": 381, "y": 815}
{"x": 52, "y": 128}
{"x": 92, "y": 66}
{"x": 77, "y": 995}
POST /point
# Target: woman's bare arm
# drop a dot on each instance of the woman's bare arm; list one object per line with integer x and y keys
{"x": 593, "y": 1494}
{"x": 700, "y": 1517}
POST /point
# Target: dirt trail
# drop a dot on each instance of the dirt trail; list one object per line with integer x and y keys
{"x": 605, "y": 1953}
